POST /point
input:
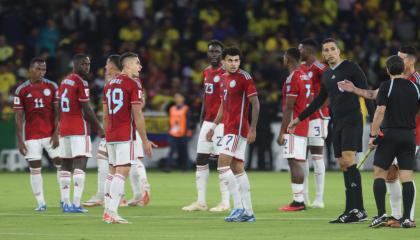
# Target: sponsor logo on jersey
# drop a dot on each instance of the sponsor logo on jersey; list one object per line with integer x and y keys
{"x": 29, "y": 95}
{"x": 333, "y": 76}
{"x": 232, "y": 84}
{"x": 310, "y": 74}
{"x": 47, "y": 92}
{"x": 216, "y": 78}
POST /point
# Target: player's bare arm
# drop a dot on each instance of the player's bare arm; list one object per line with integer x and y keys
{"x": 348, "y": 86}
{"x": 216, "y": 121}
{"x": 90, "y": 116}
{"x": 19, "y": 130}
{"x": 252, "y": 134}
{"x": 287, "y": 115}
{"x": 377, "y": 121}
{"x": 137, "y": 112}
{"x": 54, "y": 138}
{"x": 105, "y": 115}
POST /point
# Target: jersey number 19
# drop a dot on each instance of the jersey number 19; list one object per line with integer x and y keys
{"x": 115, "y": 98}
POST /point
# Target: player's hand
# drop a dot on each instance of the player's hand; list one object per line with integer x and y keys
{"x": 101, "y": 132}
{"x": 209, "y": 135}
{"x": 54, "y": 140}
{"x": 252, "y": 134}
{"x": 346, "y": 85}
{"x": 372, "y": 145}
{"x": 148, "y": 148}
{"x": 280, "y": 139}
{"x": 22, "y": 148}
{"x": 292, "y": 125}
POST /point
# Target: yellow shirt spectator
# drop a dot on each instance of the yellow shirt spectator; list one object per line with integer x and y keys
{"x": 7, "y": 80}
{"x": 210, "y": 16}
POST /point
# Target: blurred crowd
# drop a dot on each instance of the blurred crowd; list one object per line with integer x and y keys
{"x": 171, "y": 38}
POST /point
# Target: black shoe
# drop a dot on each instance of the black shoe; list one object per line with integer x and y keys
{"x": 356, "y": 216}
{"x": 407, "y": 223}
{"x": 341, "y": 219}
{"x": 379, "y": 221}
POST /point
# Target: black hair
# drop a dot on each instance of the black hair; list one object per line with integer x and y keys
{"x": 309, "y": 42}
{"x": 217, "y": 43}
{"x": 395, "y": 65}
{"x": 231, "y": 51}
{"x": 125, "y": 56}
{"x": 36, "y": 60}
{"x": 293, "y": 53}
{"x": 329, "y": 40}
{"x": 409, "y": 50}
{"x": 115, "y": 59}
{"x": 79, "y": 56}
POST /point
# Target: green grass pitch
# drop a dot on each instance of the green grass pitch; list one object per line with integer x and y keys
{"x": 164, "y": 219}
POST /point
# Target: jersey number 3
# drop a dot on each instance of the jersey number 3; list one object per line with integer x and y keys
{"x": 115, "y": 98}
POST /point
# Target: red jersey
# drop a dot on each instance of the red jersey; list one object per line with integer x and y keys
{"x": 298, "y": 85}
{"x": 212, "y": 77}
{"x": 73, "y": 90}
{"x": 314, "y": 72}
{"x": 36, "y": 100}
{"x": 415, "y": 77}
{"x": 237, "y": 89}
{"x": 120, "y": 93}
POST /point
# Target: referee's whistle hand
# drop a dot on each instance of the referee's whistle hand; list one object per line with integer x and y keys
{"x": 346, "y": 85}
{"x": 371, "y": 144}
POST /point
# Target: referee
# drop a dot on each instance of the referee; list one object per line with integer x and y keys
{"x": 398, "y": 100}
{"x": 347, "y": 123}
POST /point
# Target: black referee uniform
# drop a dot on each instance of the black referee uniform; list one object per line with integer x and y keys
{"x": 347, "y": 131}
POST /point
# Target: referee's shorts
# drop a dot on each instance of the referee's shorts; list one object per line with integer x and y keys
{"x": 396, "y": 143}
{"x": 347, "y": 137}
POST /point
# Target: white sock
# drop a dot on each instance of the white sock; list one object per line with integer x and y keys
{"x": 135, "y": 181}
{"x": 37, "y": 185}
{"x": 59, "y": 182}
{"x": 144, "y": 183}
{"x": 116, "y": 191}
{"x": 245, "y": 189}
{"x": 201, "y": 177}
{"x": 297, "y": 190}
{"x": 79, "y": 184}
{"x": 107, "y": 186}
{"x": 305, "y": 167}
{"x": 102, "y": 173}
{"x": 319, "y": 173}
{"x": 395, "y": 198}
{"x": 65, "y": 180}
{"x": 229, "y": 180}
{"x": 224, "y": 191}
{"x": 413, "y": 207}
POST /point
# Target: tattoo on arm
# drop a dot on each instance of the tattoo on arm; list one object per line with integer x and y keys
{"x": 255, "y": 111}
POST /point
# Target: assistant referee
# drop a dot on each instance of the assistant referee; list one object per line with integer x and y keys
{"x": 398, "y": 100}
{"x": 347, "y": 123}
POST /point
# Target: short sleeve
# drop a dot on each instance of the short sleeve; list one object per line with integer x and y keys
{"x": 250, "y": 89}
{"x": 17, "y": 102}
{"x": 358, "y": 77}
{"x": 136, "y": 94}
{"x": 382, "y": 98}
{"x": 83, "y": 90}
{"x": 292, "y": 87}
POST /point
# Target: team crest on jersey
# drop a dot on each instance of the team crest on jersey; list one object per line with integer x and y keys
{"x": 232, "y": 84}
{"x": 29, "y": 95}
{"x": 216, "y": 78}
{"x": 47, "y": 92}
{"x": 310, "y": 74}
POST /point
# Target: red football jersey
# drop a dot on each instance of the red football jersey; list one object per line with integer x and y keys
{"x": 73, "y": 90}
{"x": 237, "y": 89}
{"x": 120, "y": 93}
{"x": 298, "y": 85}
{"x": 212, "y": 77}
{"x": 314, "y": 72}
{"x": 36, "y": 100}
{"x": 415, "y": 77}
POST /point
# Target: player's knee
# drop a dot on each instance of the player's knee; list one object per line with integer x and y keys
{"x": 35, "y": 164}
{"x": 348, "y": 158}
{"x": 57, "y": 161}
{"x": 379, "y": 172}
{"x": 202, "y": 159}
{"x": 406, "y": 175}
{"x": 392, "y": 175}
{"x": 237, "y": 166}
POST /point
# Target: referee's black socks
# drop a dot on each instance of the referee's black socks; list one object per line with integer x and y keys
{"x": 379, "y": 190}
{"x": 355, "y": 182}
{"x": 349, "y": 200}
{"x": 409, "y": 193}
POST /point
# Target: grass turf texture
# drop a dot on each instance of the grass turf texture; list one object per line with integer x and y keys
{"x": 164, "y": 219}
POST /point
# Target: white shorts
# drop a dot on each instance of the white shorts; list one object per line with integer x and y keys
{"x": 121, "y": 153}
{"x": 35, "y": 146}
{"x": 295, "y": 147}
{"x": 138, "y": 147}
{"x": 318, "y": 131}
{"x": 234, "y": 146}
{"x": 75, "y": 146}
{"x": 206, "y": 147}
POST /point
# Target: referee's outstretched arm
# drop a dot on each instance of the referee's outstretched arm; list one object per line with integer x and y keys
{"x": 348, "y": 86}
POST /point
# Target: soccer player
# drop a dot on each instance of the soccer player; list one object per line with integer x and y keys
{"x": 238, "y": 91}
{"x": 395, "y": 119}
{"x": 123, "y": 115}
{"x": 296, "y": 96}
{"x": 347, "y": 125}
{"x": 211, "y": 102}
{"x": 318, "y": 123}
{"x": 409, "y": 56}
{"x": 36, "y": 106}
{"x": 75, "y": 144}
